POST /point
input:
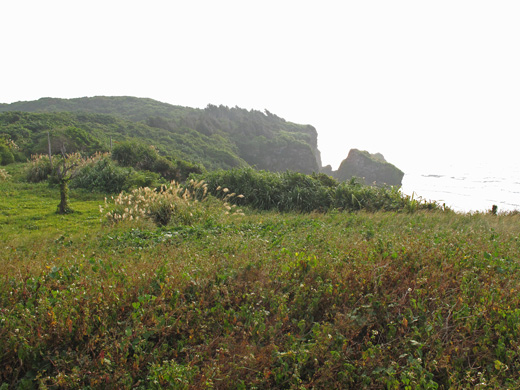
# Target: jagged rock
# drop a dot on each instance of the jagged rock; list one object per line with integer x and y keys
{"x": 373, "y": 168}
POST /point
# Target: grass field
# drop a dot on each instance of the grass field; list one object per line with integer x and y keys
{"x": 423, "y": 300}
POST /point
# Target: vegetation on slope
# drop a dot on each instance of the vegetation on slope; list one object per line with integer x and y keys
{"x": 216, "y": 137}
{"x": 89, "y": 133}
{"x": 423, "y": 300}
{"x": 127, "y": 107}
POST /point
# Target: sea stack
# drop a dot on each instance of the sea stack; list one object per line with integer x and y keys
{"x": 373, "y": 168}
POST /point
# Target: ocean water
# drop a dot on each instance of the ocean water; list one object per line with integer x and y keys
{"x": 467, "y": 189}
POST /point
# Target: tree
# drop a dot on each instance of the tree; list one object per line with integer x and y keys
{"x": 135, "y": 154}
{"x": 74, "y": 138}
{"x": 6, "y": 156}
{"x": 67, "y": 166}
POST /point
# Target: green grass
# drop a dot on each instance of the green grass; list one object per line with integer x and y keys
{"x": 424, "y": 300}
{"x": 32, "y": 207}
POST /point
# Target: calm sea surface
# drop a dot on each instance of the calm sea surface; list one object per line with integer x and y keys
{"x": 465, "y": 190}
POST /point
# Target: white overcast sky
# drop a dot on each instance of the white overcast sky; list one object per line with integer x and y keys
{"x": 423, "y": 82}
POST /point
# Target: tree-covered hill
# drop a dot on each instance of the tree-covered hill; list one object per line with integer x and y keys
{"x": 216, "y": 137}
{"x": 93, "y": 132}
{"x": 127, "y": 107}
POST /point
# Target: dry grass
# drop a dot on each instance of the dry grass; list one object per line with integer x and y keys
{"x": 168, "y": 204}
{"x": 4, "y": 175}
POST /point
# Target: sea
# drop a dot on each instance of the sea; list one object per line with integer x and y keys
{"x": 467, "y": 189}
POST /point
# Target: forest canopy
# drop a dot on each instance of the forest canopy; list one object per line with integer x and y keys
{"x": 215, "y": 137}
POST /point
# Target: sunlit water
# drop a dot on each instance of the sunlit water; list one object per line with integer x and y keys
{"x": 465, "y": 190}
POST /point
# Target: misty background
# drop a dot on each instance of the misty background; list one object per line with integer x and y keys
{"x": 433, "y": 86}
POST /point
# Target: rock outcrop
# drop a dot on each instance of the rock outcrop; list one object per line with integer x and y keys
{"x": 373, "y": 168}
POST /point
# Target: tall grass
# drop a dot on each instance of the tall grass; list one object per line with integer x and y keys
{"x": 292, "y": 191}
{"x": 169, "y": 204}
{"x": 39, "y": 168}
{"x": 4, "y": 175}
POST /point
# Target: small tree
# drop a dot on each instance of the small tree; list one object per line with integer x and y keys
{"x": 66, "y": 167}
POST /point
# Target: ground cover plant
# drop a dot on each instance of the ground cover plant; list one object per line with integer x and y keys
{"x": 412, "y": 299}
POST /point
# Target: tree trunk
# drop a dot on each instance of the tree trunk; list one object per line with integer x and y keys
{"x": 63, "y": 207}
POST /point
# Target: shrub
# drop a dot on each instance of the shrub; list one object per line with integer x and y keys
{"x": 135, "y": 154}
{"x": 186, "y": 168}
{"x": 104, "y": 175}
{"x": 144, "y": 157}
{"x": 142, "y": 179}
{"x": 69, "y": 139}
{"x": 324, "y": 179}
{"x": 171, "y": 203}
{"x": 166, "y": 169}
{"x": 39, "y": 168}
{"x": 160, "y": 206}
{"x": 6, "y": 157}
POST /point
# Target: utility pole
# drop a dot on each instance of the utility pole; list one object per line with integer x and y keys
{"x": 50, "y": 152}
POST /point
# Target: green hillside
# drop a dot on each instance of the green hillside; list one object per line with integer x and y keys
{"x": 127, "y": 107}
{"x": 216, "y": 137}
{"x": 29, "y": 131}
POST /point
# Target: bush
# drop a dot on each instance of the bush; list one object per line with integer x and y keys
{"x": 39, "y": 168}
{"x": 70, "y": 139}
{"x": 135, "y": 154}
{"x": 142, "y": 179}
{"x": 144, "y": 157}
{"x": 173, "y": 203}
{"x": 104, "y": 175}
{"x": 324, "y": 179}
{"x": 6, "y": 156}
{"x": 186, "y": 168}
{"x": 166, "y": 169}
{"x": 160, "y": 206}
{"x": 354, "y": 195}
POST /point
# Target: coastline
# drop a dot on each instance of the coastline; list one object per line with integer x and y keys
{"x": 466, "y": 191}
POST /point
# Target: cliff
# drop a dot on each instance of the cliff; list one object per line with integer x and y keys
{"x": 373, "y": 168}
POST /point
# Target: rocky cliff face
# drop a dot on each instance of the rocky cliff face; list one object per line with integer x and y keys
{"x": 373, "y": 168}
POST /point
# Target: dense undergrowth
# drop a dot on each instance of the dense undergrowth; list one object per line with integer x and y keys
{"x": 379, "y": 300}
{"x": 293, "y": 191}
